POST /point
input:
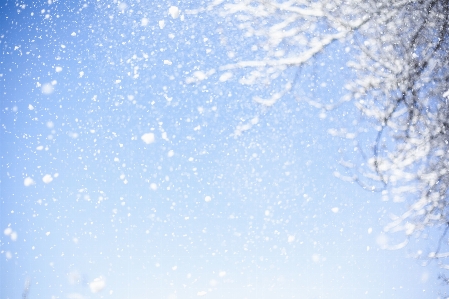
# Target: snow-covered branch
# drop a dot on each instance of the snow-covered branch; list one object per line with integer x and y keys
{"x": 400, "y": 64}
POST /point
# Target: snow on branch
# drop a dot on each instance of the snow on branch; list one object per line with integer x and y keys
{"x": 400, "y": 85}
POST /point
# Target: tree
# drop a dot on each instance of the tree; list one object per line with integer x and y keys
{"x": 400, "y": 84}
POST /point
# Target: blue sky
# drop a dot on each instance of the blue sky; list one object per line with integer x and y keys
{"x": 197, "y": 212}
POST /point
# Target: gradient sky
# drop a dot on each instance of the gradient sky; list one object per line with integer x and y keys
{"x": 119, "y": 180}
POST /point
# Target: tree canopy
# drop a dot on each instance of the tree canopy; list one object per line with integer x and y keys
{"x": 400, "y": 83}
